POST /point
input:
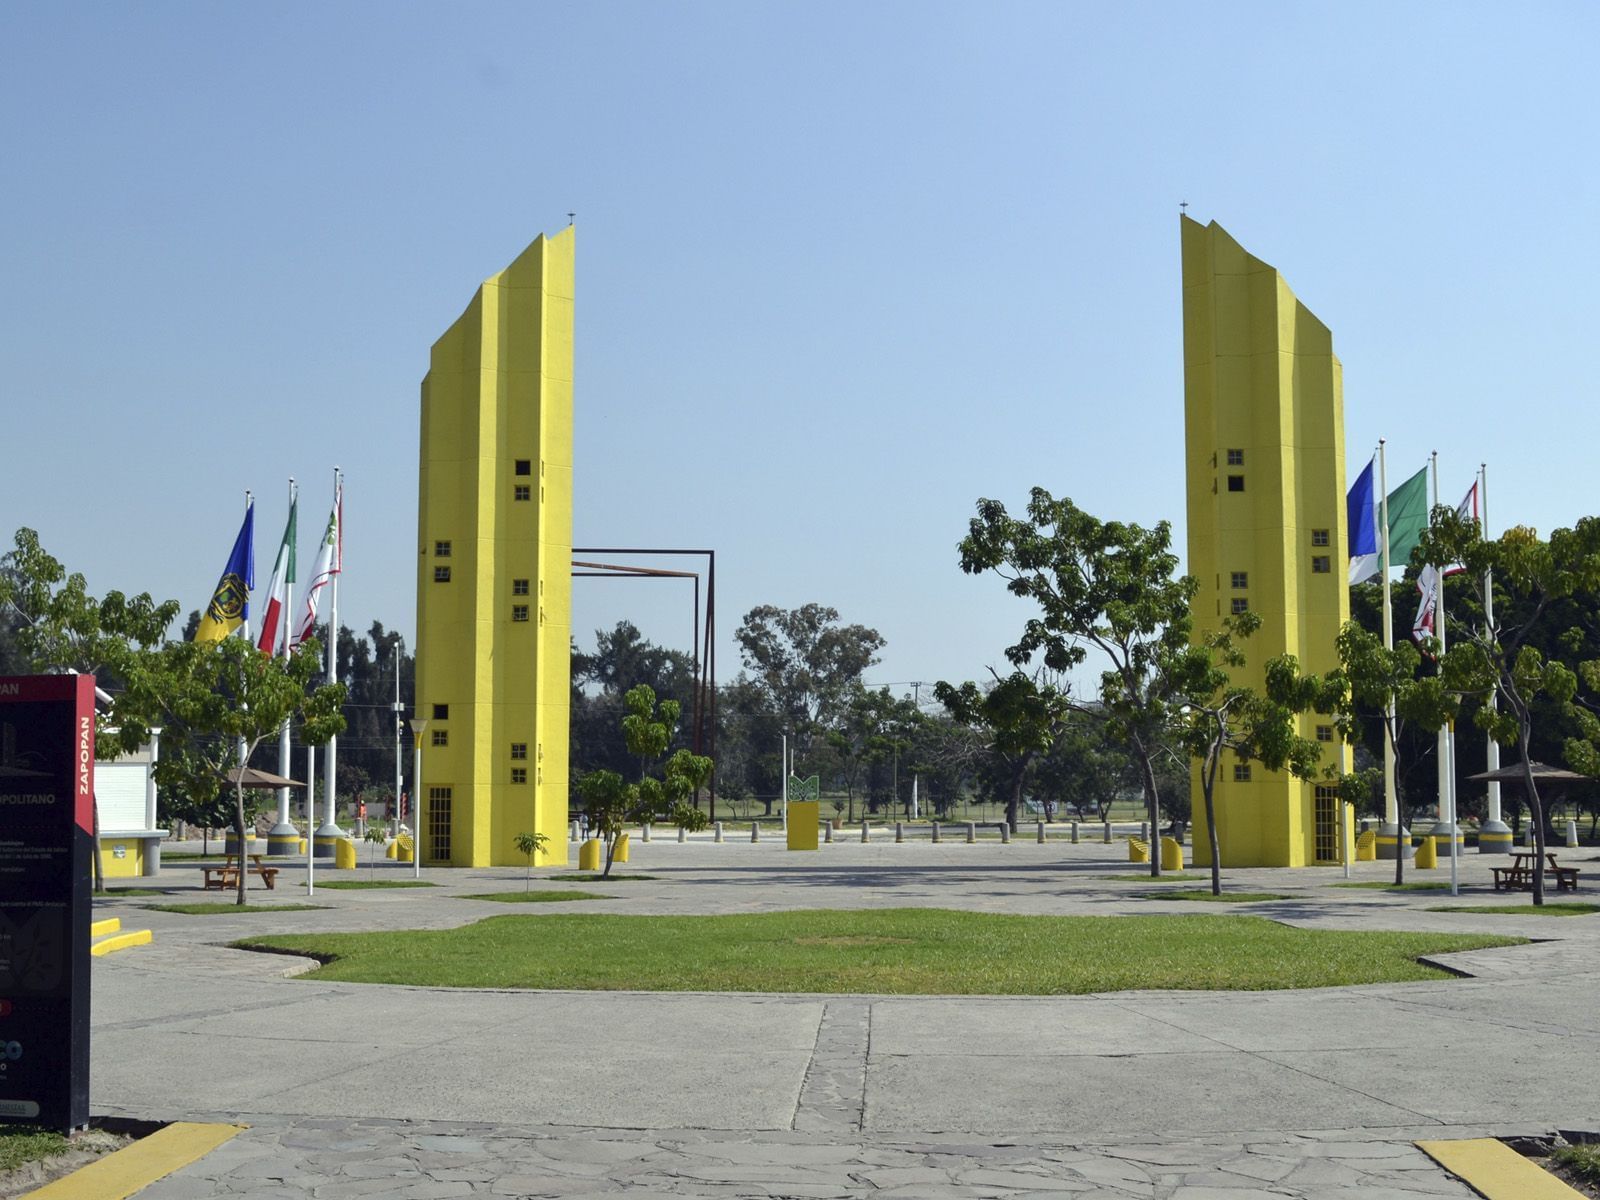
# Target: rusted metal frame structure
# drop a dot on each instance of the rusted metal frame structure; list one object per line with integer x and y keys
{"x": 703, "y": 721}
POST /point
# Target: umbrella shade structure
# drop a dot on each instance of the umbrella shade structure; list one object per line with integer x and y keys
{"x": 1542, "y": 773}
{"x": 251, "y": 778}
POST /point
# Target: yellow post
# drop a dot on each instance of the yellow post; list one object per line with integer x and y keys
{"x": 1138, "y": 852}
{"x": 620, "y": 854}
{"x": 804, "y": 820}
{"x": 344, "y": 854}
{"x": 589, "y": 855}
{"x": 1171, "y": 854}
{"x": 1427, "y": 856}
{"x": 1366, "y": 846}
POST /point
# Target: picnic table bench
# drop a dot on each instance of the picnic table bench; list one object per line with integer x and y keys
{"x": 226, "y": 876}
{"x": 1519, "y": 875}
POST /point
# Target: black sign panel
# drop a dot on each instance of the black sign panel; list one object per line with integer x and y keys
{"x": 46, "y": 838}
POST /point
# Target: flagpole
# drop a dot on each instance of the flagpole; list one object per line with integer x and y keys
{"x": 1444, "y": 823}
{"x": 1494, "y": 836}
{"x": 284, "y": 830}
{"x": 244, "y": 625}
{"x": 1391, "y": 831}
{"x": 330, "y": 828}
{"x": 311, "y": 819}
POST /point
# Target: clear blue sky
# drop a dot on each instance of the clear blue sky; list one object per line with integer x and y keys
{"x": 842, "y": 270}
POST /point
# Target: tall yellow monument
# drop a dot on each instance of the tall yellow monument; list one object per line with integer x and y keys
{"x": 494, "y": 567}
{"x": 1264, "y": 433}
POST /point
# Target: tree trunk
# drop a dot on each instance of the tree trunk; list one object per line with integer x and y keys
{"x": 1535, "y": 806}
{"x": 611, "y": 850}
{"x": 1152, "y": 808}
{"x": 98, "y": 861}
{"x": 238, "y": 829}
{"x": 1208, "y": 781}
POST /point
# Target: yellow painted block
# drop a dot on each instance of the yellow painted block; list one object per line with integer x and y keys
{"x": 805, "y": 819}
{"x": 620, "y": 854}
{"x": 1171, "y": 854}
{"x": 589, "y": 855}
{"x": 120, "y": 941}
{"x": 1496, "y": 1171}
{"x": 123, "y": 858}
{"x": 392, "y": 850}
{"x": 136, "y": 1166}
{"x": 1427, "y": 857}
{"x": 1138, "y": 852}
{"x": 102, "y": 928}
{"x": 344, "y": 854}
{"x": 1366, "y": 846}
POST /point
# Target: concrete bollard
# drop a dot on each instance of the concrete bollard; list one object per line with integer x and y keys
{"x": 683, "y": 835}
{"x": 755, "y": 831}
{"x": 936, "y": 831}
{"x": 1572, "y": 834}
{"x": 644, "y": 832}
{"x": 1144, "y": 831}
{"x": 899, "y": 832}
{"x": 1527, "y": 837}
{"x": 717, "y": 834}
{"x": 863, "y": 831}
{"x": 1074, "y": 833}
{"x": 572, "y": 832}
{"x": 1005, "y": 833}
{"x": 1108, "y": 832}
{"x": 972, "y": 832}
{"x": 1041, "y": 833}
{"x": 827, "y": 832}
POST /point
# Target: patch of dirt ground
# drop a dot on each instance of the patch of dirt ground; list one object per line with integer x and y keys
{"x": 86, "y": 1147}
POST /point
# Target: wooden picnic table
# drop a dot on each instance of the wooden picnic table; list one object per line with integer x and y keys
{"x": 226, "y": 876}
{"x": 1519, "y": 875}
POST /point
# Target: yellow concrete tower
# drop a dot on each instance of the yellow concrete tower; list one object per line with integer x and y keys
{"x": 1264, "y": 431}
{"x": 494, "y": 567}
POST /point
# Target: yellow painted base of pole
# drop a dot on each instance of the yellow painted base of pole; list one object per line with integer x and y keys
{"x": 121, "y": 1174}
{"x": 589, "y": 855}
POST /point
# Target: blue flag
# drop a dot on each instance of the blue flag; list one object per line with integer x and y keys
{"x": 230, "y": 603}
{"x": 1361, "y": 519}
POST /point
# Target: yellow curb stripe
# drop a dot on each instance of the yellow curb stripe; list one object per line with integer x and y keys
{"x": 1489, "y": 1166}
{"x": 121, "y": 941}
{"x": 101, "y": 928}
{"x": 121, "y": 1174}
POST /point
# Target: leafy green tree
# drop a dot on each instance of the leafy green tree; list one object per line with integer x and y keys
{"x": 54, "y": 624}
{"x": 1221, "y": 717}
{"x": 216, "y": 702}
{"x": 867, "y": 731}
{"x": 1384, "y": 685}
{"x": 1104, "y": 586}
{"x": 1018, "y": 717}
{"x": 529, "y": 844}
{"x": 1085, "y": 770}
{"x": 1496, "y": 655}
{"x": 612, "y": 802}
{"x": 374, "y": 837}
{"x": 806, "y": 663}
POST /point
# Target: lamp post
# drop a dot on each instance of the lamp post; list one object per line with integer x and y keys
{"x": 418, "y": 726}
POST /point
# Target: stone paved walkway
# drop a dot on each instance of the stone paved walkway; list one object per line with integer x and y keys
{"x": 423, "y": 1092}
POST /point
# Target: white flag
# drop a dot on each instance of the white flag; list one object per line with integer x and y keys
{"x": 1430, "y": 581}
{"x": 330, "y": 561}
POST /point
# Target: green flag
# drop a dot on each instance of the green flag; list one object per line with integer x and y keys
{"x": 1408, "y": 517}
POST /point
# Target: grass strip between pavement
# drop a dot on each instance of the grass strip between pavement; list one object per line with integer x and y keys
{"x": 217, "y": 908}
{"x": 543, "y": 897}
{"x": 1208, "y": 898}
{"x": 362, "y": 885}
{"x": 1559, "y": 909}
{"x": 907, "y": 951}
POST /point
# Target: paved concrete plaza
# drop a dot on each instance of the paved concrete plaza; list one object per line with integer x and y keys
{"x": 357, "y": 1090}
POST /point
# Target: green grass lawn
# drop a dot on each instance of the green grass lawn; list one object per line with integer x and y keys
{"x": 545, "y": 897}
{"x": 361, "y": 885}
{"x": 113, "y": 893}
{"x": 917, "y": 951}
{"x": 1568, "y": 908}
{"x": 1378, "y": 885}
{"x": 588, "y": 877}
{"x": 1146, "y": 877}
{"x": 1208, "y": 898}
{"x": 219, "y": 907}
{"x": 21, "y": 1144}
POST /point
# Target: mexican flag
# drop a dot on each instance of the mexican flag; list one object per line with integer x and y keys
{"x": 330, "y": 561}
{"x": 276, "y": 619}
